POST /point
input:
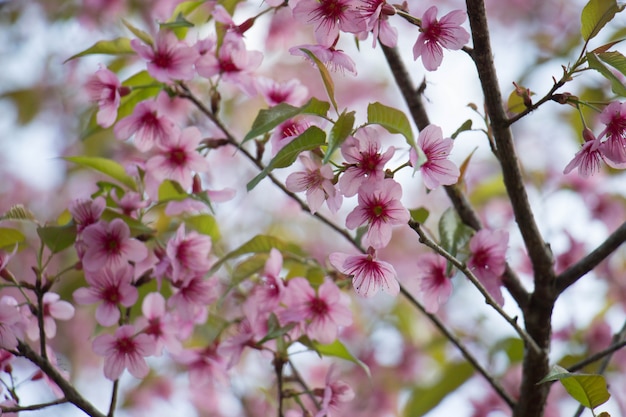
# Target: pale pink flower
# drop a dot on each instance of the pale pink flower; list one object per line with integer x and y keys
{"x": 168, "y": 59}
{"x": 376, "y": 14}
{"x": 177, "y": 159}
{"x": 53, "y": 308}
{"x": 379, "y": 207}
{"x": 588, "y": 158}
{"x": 268, "y": 293}
{"x": 368, "y": 274}
{"x": 437, "y": 170}
{"x": 192, "y": 296}
{"x": 206, "y": 366}
{"x": 488, "y": 260}
{"x": 324, "y": 311}
{"x": 158, "y": 324}
{"x": 438, "y": 34}
{"x": 10, "y": 321}
{"x": 188, "y": 254}
{"x": 329, "y": 16}
{"x": 614, "y": 147}
{"x": 317, "y": 181}
{"x": 148, "y": 123}
{"x": 364, "y": 161}
{"x": 105, "y": 89}
{"x": 434, "y": 283}
{"x": 335, "y": 392}
{"x": 86, "y": 211}
{"x": 333, "y": 59}
{"x": 130, "y": 203}
{"x": 290, "y": 92}
{"x": 124, "y": 350}
{"x": 286, "y": 132}
{"x": 111, "y": 288}
{"x": 110, "y": 245}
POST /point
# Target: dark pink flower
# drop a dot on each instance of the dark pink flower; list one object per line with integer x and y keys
{"x": 324, "y": 311}
{"x": 206, "y": 366}
{"x": 335, "y": 392}
{"x": 333, "y": 59}
{"x": 316, "y": 180}
{"x": 158, "y": 324}
{"x": 188, "y": 254}
{"x": 87, "y": 211}
{"x": 488, "y": 260}
{"x": 168, "y": 59}
{"x": 329, "y": 16}
{"x": 438, "y": 34}
{"x": 268, "y": 293}
{"x": 379, "y": 207}
{"x": 192, "y": 297}
{"x": 588, "y": 158}
{"x": 111, "y": 288}
{"x": 109, "y": 245}
{"x": 434, "y": 283}
{"x": 437, "y": 169}
{"x": 148, "y": 123}
{"x": 368, "y": 274}
{"x": 286, "y": 132}
{"x": 376, "y": 14}
{"x": 124, "y": 350}
{"x": 614, "y": 147}
{"x": 105, "y": 89}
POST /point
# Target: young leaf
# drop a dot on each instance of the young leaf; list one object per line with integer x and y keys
{"x": 419, "y": 214}
{"x": 453, "y": 234}
{"x": 117, "y": 46}
{"x": 614, "y": 59}
{"x": 338, "y": 134}
{"x": 310, "y": 139}
{"x": 595, "y": 15}
{"x": 258, "y": 244}
{"x": 147, "y": 39}
{"x": 171, "y": 191}
{"x": 10, "y": 237}
{"x": 588, "y": 390}
{"x": 57, "y": 238}
{"x": 328, "y": 81}
{"x": 337, "y": 350}
{"x": 616, "y": 85}
{"x": 394, "y": 120}
{"x": 205, "y": 224}
{"x": 106, "y": 166}
{"x": 467, "y": 125}
{"x": 18, "y": 212}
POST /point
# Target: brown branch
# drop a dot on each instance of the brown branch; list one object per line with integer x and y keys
{"x": 34, "y": 407}
{"x": 597, "y": 356}
{"x": 586, "y": 264}
{"x": 71, "y": 394}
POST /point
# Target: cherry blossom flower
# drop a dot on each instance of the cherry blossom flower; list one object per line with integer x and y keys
{"x": 176, "y": 159}
{"x": 268, "y": 293}
{"x": 148, "y": 123}
{"x": 587, "y": 159}
{"x": 333, "y": 59}
{"x": 205, "y": 365}
{"x": 53, "y": 308}
{"x": 130, "y": 203}
{"x": 192, "y": 296}
{"x": 335, "y": 392}
{"x": 380, "y": 207}
{"x": 105, "y": 89}
{"x": 290, "y": 92}
{"x": 111, "y": 287}
{"x": 437, "y": 34}
{"x": 376, "y": 14}
{"x": 434, "y": 283}
{"x": 368, "y": 274}
{"x": 188, "y": 254}
{"x": 437, "y": 170}
{"x": 86, "y": 211}
{"x": 329, "y": 16}
{"x": 124, "y": 350}
{"x": 110, "y": 245}
{"x": 286, "y": 132}
{"x": 316, "y": 180}
{"x": 488, "y": 259}
{"x": 168, "y": 59}
{"x": 10, "y": 320}
{"x": 157, "y": 324}
{"x": 364, "y": 161}
{"x": 324, "y": 311}
{"x": 614, "y": 147}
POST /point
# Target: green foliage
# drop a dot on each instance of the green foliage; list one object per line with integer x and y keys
{"x": 419, "y": 214}
{"x": 339, "y": 133}
{"x": 10, "y": 237}
{"x": 394, "y": 120}
{"x": 596, "y": 14}
{"x": 204, "y": 224}
{"x": 27, "y": 103}
{"x": 57, "y": 238}
{"x": 171, "y": 191}
{"x": 453, "y": 233}
{"x": 424, "y": 398}
{"x": 105, "y": 166}
{"x": 117, "y": 46}
{"x": 614, "y": 59}
{"x": 616, "y": 85}
{"x": 147, "y": 39}
{"x": 467, "y": 125}
{"x": 18, "y": 212}
{"x": 335, "y": 349}
{"x": 311, "y": 138}
{"x": 589, "y": 390}
{"x": 258, "y": 244}
{"x": 326, "y": 78}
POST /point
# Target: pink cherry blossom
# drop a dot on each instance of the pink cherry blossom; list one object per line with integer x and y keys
{"x": 110, "y": 245}
{"x": 105, "y": 89}
{"x": 324, "y": 311}
{"x": 290, "y": 92}
{"x": 329, "y": 16}
{"x": 333, "y": 59}
{"x": 376, "y": 14}
{"x": 434, "y": 283}
{"x": 111, "y": 288}
{"x": 614, "y": 147}
{"x": 10, "y": 320}
{"x": 488, "y": 260}
{"x": 124, "y": 350}
{"x": 192, "y": 297}
{"x": 148, "y": 123}
{"x": 86, "y": 211}
{"x": 268, "y": 293}
{"x": 177, "y": 159}
{"x": 286, "y": 132}
{"x": 438, "y": 34}
{"x": 206, "y": 366}
{"x": 437, "y": 170}
{"x": 379, "y": 207}
{"x": 53, "y": 308}
{"x": 168, "y": 59}
{"x": 188, "y": 254}
{"x": 158, "y": 324}
{"x": 130, "y": 203}
{"x": 588, "y": 158}
{"x": 368, "y": 274}
{"x": 335, "y": 392}
{"x": 317, "y": 181}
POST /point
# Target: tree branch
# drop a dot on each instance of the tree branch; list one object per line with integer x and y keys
{"x": 586, "y": 264}
{"x": 34, "y": 407}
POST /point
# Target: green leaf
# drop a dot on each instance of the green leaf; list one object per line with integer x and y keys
{"x": 595, "y": 15}
{"x": 171, "y": 191}
{"x": 177, "y": 23}
{"x": 106, "y": 166}
{"x": 589, "y": 390}
{"x": 57, "y": 238}
{"x": 268, "y": 119}
{"x": 339, "y": 133}
{"x": 247, "y": 268}
{"x": 205, "y": 224}
{"x": 453, "y": 234}
{"x": 147, "y": 39}
{"x": 467, "y": 125}
{"x": 27, "y": 103}
{"x": 614, "y": 59}
{"x": 117, "y": 46}
{"x": 136, "y": 227}
{"x": 338, "y": 350}
{"x": 18, "y": 212}
{"x": 10, "y": 237}
{"x": 419, "y": 214}
{"x": 616, "y": 85}
{"x": 394, "y": 120}
{"x": 424, "y": 398}
{"x": 326, "y": 78}
{"x": 258, "y": 244}
{"x": 311, "y": 138}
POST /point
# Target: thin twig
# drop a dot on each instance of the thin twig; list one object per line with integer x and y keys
{"x": 113, "y": 398}
{"x": 34, "y": 407}
{"x": 459, "y": 345}
{"x": 304, "y": 386}
{"x": 597, "y": 356}
{"x": 279, "y": 364}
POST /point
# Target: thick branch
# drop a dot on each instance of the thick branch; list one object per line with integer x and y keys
{"x": 586, "y": 264}
{"x": 66, "y": 387}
